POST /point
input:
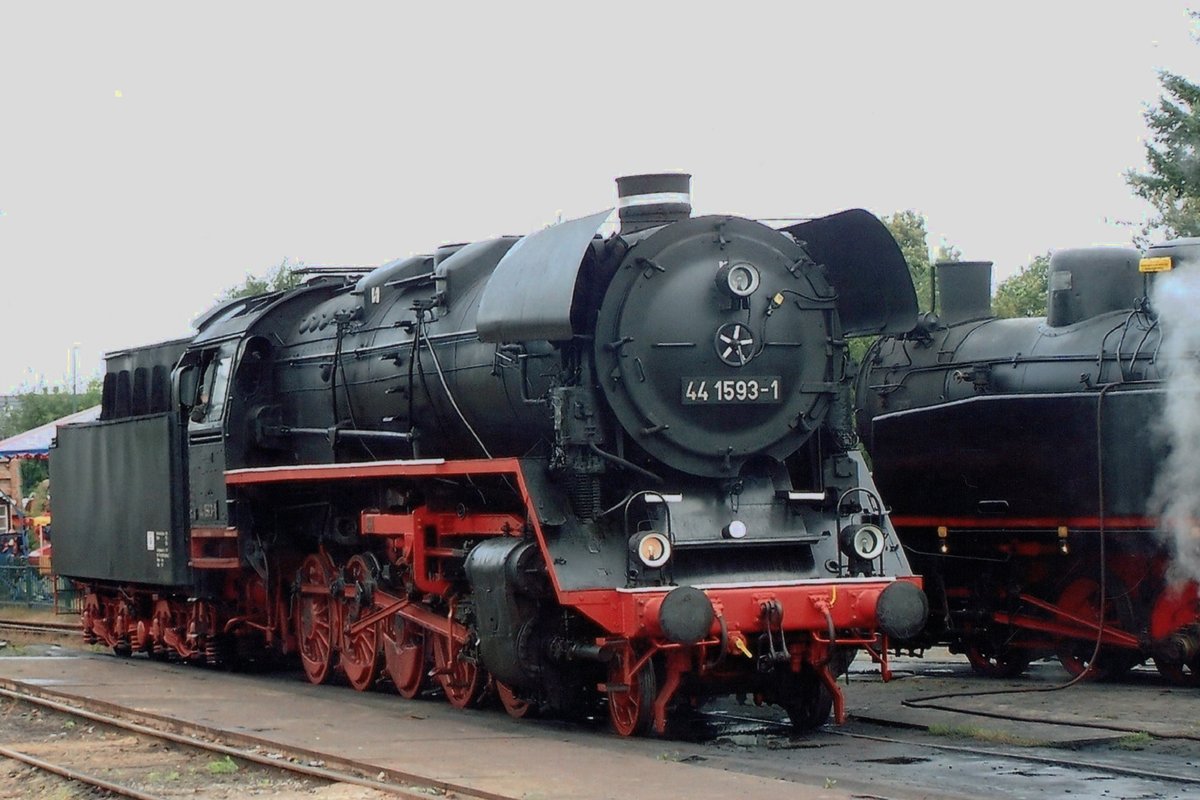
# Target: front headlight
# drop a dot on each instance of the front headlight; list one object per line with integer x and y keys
{"x": 863, "y": 541}
{"x": 740, "y": 280}
{"x": 653, "y": 549}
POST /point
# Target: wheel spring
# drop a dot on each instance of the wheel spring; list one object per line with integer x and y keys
{"x": 214, "y": 652}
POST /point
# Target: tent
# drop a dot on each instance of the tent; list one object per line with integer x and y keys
{"x": 35, "y": 443}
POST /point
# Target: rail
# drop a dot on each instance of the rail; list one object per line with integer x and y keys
{"x": 241, "y": 747}
{"x": 34, "y": 627}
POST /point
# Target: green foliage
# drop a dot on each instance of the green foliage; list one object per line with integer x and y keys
{"x": 859, "y": 347}
{"x": 39, "y": 495}
{"x": 1134, "y": 741}
{"x": 164, "y": 777}
{"x": 1172, "y": 181}
{"x": 278, "y": 278}
{"x": 908, "y": 229}
{"x": 984, "y": 735}
{"x": 224, "y": 766}
{"x": 1024, "y": 294}
{"x": 33, "y": 472}
{"x": 43, "y": 405}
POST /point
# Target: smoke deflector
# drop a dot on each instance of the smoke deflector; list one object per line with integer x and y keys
{"x": 874, "y": 289}
{"x": 528, "y": 298}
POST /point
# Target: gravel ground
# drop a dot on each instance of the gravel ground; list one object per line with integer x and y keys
{"x": 915, "y": 763}
{"x": 147, "y": 764}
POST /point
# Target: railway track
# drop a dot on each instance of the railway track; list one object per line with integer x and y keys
{"x": 11, "y": 626}
{"x": 231, "y": 748}
{"x": 733, "y": 741}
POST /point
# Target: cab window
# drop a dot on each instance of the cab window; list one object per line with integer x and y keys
{"x": 213, "y": 385}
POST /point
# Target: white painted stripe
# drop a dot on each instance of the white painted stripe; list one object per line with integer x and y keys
{"x": 341, "y": 465}
{"x": 654, "y": 199}
{"x": 806, "y": 495}
{"x": 830, "y": 582}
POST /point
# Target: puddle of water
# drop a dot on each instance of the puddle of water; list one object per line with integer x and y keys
{"x": 900, "y": 760}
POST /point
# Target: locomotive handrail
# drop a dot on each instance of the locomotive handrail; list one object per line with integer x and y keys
{"x": 951, "y": 365}
{"x": 365, "y": 469}
{"x": 1127, "y": 387}
{"x": 340, "y": 432}
{"x": 424, "y": 277}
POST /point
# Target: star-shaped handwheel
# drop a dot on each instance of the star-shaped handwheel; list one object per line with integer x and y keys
{"x": 735, "y": 344}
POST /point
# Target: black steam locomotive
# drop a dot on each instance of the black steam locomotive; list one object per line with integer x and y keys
{"x": 1021, "y": 458}
{"x": 560, "y": 470}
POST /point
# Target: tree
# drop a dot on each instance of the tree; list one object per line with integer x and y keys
{"x": 908, "y": 229}
{"x": 31, "y": 409}
{"x": 282, "y": 276}
{"x": 1171, "y": 183}
{"x": 34, "y": 471}
{"x": 1024, "y": 294}
{"x": 946, "y": 252}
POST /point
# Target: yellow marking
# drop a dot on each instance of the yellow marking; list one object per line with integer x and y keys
{"x": 1159, "y": 264}
{"x": 741, "y": 645}
{"x": 117, "y": 94}
{"x": 833, "y": 596}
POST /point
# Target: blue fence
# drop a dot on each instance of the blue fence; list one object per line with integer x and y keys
{"x": 22, "y": 584}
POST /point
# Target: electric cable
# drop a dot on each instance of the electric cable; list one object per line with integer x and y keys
{"x": 437, "y": 365}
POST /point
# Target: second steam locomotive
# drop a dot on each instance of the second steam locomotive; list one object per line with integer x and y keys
{"x": 566, "y": 470}
{"x": 1021, "y": 457}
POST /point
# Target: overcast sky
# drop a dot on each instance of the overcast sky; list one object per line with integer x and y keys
{"x": 151, "y": 156}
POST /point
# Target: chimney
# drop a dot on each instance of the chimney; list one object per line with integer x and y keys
{"x": 964, "y": 291}
{"x": 648, "y": 201}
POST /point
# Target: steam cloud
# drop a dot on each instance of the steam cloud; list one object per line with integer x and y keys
{"x": 1176, "y": 299}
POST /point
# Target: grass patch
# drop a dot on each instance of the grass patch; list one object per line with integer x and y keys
{"x": 165, "y": 777}
{"x": 1134, "y": 741}
{"x": 989, "y": 735}
{"x": 224, "y": 766}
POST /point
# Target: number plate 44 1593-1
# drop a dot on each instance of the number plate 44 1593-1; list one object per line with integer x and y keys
{"x": 763, "y": 389}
